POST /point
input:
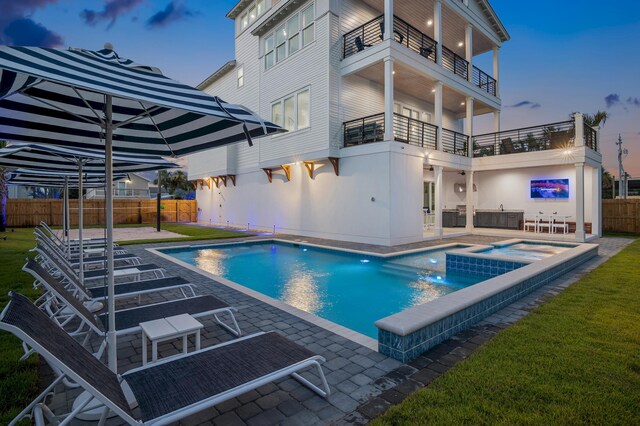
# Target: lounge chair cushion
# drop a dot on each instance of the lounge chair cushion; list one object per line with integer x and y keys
{"x": 169, "y": 386}
{"x": 138, "y": 286}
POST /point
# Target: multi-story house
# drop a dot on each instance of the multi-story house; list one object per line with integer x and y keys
{"x": 379, "y": 99}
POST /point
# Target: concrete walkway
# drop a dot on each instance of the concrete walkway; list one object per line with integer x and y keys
{"x": 364, "y": 383}
{"x": 126, "y": 234}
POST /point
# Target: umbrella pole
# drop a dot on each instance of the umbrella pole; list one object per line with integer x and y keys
{"x": 65, "y": 209}
{"x": 80, "y": 224}
{"x": 108, "y": 199}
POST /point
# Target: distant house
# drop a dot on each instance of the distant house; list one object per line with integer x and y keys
{"x": 633, "y": 187}
{"x": 19, "y": 192}
{"x": 135, "y": 186}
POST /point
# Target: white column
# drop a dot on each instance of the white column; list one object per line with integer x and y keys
{"x": 469, "y": 201}
{"x": 468, "y": 124}
{"x": 580, "y": 236}
{"x": 496, "y": 121}
{"x": 437, "y": 113}
{"x": 388, "y": 99}
{"x": 596, "y": 192}
{"x": 579, "y": 123}
{"x": 437, "y": 211}
{"x": 468, "y": 48}
{"x": 388, "y": 19}
{"x": 496, "y": 68}
{"x": 437, "y": 29}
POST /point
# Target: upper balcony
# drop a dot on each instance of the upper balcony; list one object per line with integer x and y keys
{"x": 561, "y": 135}
{"x": 372, "y": 33}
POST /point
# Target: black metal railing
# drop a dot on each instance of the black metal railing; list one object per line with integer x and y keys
{"x": 455, "y": 63}
{"x": 454, "y": 142}
{"x": 362, "y": 37}
{"x": 528, "y": 139}
{"x": 414, "y": 132}
{"x": 483, "y": 80}
{"x": 372, "y": 33}
{"x": 364, "y": 130}
{"x": 590, "y": 137}
{"x": 405, "y": 129}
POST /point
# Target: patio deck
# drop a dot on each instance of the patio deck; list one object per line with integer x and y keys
{"x": 364, "y": 383}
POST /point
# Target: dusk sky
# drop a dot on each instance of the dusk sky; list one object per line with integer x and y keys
{"x": 563, "y": 56}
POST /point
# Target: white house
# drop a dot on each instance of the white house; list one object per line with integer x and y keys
{"x": 379, "y": 99}
{"x": 133, "y": 186}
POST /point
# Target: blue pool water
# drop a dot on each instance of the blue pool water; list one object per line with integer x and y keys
{"x": 349, "y": 289}
{"x": 528, "y": 251}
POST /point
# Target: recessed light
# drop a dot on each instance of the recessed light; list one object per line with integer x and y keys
{"x": 394, "y": 73}
{"x": 461, "y": 103}
{"x": 433, "y": 90}
{"x": 430, "y": 22}
{"x": 460, "y": 44}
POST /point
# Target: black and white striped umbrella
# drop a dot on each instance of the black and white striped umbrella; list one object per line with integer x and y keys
{"x": 54, "y": 158}
{"x": 60, "y": 96}
{"x": 48, "y": 179}
{"x": 83, "y": 99}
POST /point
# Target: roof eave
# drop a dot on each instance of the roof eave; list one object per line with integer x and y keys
{"x": 497, "y": 23}
{"x": 217, "y": 75}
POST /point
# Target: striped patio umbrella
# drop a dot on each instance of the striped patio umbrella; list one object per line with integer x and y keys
{"x": 95, "y": 99}
{"x": 43, "y": 179}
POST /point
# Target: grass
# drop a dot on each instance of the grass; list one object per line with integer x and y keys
{"x": 18, "y": 380}
{"x": 574, "y": 360}
{"x": 191, "y": 233}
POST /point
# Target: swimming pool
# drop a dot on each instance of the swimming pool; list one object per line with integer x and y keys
{"x": 350, "y": 289}
{"x": 528, "y": 250}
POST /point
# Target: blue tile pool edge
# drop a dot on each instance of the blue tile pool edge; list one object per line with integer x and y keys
{"x": 398, "y": 338}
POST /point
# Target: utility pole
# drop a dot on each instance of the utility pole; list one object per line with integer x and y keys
{"x": 621, "y": 173}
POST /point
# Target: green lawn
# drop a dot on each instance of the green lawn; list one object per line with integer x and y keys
{"x": 574, "y": 360}
{"x": 18, "y": 380}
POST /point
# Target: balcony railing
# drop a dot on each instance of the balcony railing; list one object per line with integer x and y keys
{"x": 454, "y": 63}
{"x": 406, "y": 130}
{"x": 528, "y": 139}
{"x": 590, "y": 138}
{"x": 483, "y": 80}
{"x": 454, "y": 142}
{"x": 119, "y": 193}
{"x": 372, "y": 33}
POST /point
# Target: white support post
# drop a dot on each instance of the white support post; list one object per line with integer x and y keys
{"x": 596, "y": 221}
{"x": 579, "y": 133}
{"x": 388, "y": 20}
{"x": 437, "y": 29}
{"x": 496, "y": 68}
{"x": 580, "y": 235}
{"x": 437, "y": 113}
{"x": 469, "y": 201}
{"x": 437, "y": 227}
{"x": 388, "y": 99}
{"x": 468, "y": 124}
{"x": 468, "y": 49}
{"x": 496, "y": 121}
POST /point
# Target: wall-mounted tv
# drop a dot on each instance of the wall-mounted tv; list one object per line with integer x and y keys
{"x": 550, "y": 188}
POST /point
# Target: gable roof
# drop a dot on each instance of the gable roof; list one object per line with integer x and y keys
{"x": 217, "y": 74}
{"x": 495, "y": 22}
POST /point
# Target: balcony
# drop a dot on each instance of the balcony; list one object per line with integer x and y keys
{"x": 119, "y": 193}
{"x": 406, "y": 130}
{"x": 529, "y": 139}
{"x": 372, "y": 33}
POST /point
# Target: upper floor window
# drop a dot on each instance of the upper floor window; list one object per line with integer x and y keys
{"x": 241, "y": 76}
{"x": 293, "y": 111}
{"x": 294, "y": 34}
{"x": 253, "y": 12}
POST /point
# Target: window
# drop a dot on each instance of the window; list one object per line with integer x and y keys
{"x": 307, "y": 26}
{"x": 293, "y": 29}
{"x": 269, "y": 53}
{"x": 252, "y": 14}
{"x": 292, "y": 36}
{"x": 241, "y": 76}
{"x": 293, "y": 111}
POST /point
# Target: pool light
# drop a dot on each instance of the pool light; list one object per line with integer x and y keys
{"x": 432, "y": 260}
{"x": 364, "y": 260}
{"x": 439, "y": 277}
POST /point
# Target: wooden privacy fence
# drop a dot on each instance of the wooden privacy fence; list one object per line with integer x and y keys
{"x": 29, "y": 212}
{"x": 621, "y": 215}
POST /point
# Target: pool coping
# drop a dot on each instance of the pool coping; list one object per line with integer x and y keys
{"x": 336, "y": 328}
{"x": 420, "y": 316}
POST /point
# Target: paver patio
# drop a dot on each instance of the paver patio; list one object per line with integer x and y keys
{"x": 364, "y": 383}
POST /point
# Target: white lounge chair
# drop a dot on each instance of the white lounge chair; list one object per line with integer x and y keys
{"x": 89, "y": 260}
{"x": 166, "y": 391}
